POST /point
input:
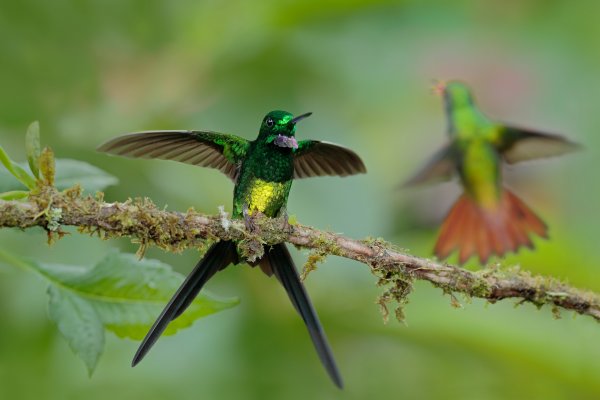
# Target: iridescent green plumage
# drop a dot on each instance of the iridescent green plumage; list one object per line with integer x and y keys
{"x": 263, "y": 171}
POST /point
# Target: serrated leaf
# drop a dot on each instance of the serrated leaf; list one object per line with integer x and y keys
{"x": 126, "y": 296}
{"x": 16, "y": 170}
{"x": 79, "y": 323}
{"x": 32, "y": 145}
{"x": 70, "y": 172}
{"x": 129, "y": 294}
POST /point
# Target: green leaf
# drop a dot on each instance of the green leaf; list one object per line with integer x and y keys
{"x": 16, "y": 170}
{"x": 120, "y": 293}
{"x": 14, "y": 195}
{"x": 68, "y": 173}
{"x": 129, "y": 294}
{"x": 48, "y": 166}
{"x": 79, "y": 323}
{"x": 92, "y": 179}
{"x": 32, "y": 145}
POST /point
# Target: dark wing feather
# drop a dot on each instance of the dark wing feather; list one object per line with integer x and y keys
{"x": 315, "y": 158}
{"x": 201, "y": 148}
{"x": 521, "y": 145}
{"x": 440, "y": 167}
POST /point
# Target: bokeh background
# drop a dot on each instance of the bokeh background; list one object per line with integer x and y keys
{"x": 89, "y": 70}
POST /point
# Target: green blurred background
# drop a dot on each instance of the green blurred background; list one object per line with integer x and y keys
{"x": 90, "y": 70}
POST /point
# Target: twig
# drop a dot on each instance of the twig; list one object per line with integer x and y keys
{"x": 146, "y": 224}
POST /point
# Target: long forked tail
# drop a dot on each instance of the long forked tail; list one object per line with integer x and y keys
{"x": 472, "y": 229}
{"x": 218, "y": 256}
{"x": 283, "y": 268}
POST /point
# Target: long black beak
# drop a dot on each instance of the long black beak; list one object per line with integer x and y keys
{"x": 299, "y": 117}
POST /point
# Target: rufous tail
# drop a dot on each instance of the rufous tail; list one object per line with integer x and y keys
{"x": 472, "y": 229}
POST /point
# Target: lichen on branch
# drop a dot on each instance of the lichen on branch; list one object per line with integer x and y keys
{"x": 148, "y": 225}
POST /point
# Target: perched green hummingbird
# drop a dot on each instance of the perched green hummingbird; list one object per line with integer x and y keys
{"x": 487, "y": 218}
{"x": 262, "y": 171}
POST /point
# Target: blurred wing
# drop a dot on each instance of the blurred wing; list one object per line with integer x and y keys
{"x": 315, "y": 158}
{"x": 201, "y": 148}
{"x": 521, "y": 145}
{"x": 439, "y": 168}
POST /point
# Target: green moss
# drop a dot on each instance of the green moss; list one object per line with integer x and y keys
{"x": 479, "y": 286}
{"x": 141, "y": 219}
{"x": 314, "y": 258}
{"x": 251, "y": 249}
{"x": 324, "y": 244}
{"x": 396, "y": 293}
{"x": 381, "y": 243}
{"x": 398, "y": 285}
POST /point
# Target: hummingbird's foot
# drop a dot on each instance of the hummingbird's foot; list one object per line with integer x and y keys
{"x": 285, "y": 220}
{"x": 250, "y": 219}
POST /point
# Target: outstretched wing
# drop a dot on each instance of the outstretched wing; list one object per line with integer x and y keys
{"x": 316, "y": 158}
{"x": 201, "y": 148}
{"x": 440, "y": 167}
{"x": 520, "y": 145}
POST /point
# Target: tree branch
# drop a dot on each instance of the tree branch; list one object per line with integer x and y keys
{"x": 174, "y": 231}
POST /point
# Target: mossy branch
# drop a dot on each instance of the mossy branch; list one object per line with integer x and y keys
{"x": 148, "y": 225}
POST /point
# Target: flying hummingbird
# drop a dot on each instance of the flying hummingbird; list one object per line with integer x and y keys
{"x": 487, "y": 218}
{"x": 262, "y": 171}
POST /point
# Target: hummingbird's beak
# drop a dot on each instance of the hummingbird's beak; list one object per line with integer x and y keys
{"x": 438, "y": 87}
{"x": 300, "y": 117}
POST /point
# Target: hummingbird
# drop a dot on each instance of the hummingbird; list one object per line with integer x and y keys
{"x": 487, "y": 218}
{"x": 262, "y": 171}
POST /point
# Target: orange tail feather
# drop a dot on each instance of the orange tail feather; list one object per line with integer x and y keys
{"x": 474, "y": 230}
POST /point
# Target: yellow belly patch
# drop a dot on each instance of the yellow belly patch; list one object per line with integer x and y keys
{"x": 266, "y": 197}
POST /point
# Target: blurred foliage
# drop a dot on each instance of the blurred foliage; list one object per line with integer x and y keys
{"x": 90, "y": 70}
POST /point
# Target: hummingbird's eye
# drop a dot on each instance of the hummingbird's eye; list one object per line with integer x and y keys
{"x": 269, "y": 122}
